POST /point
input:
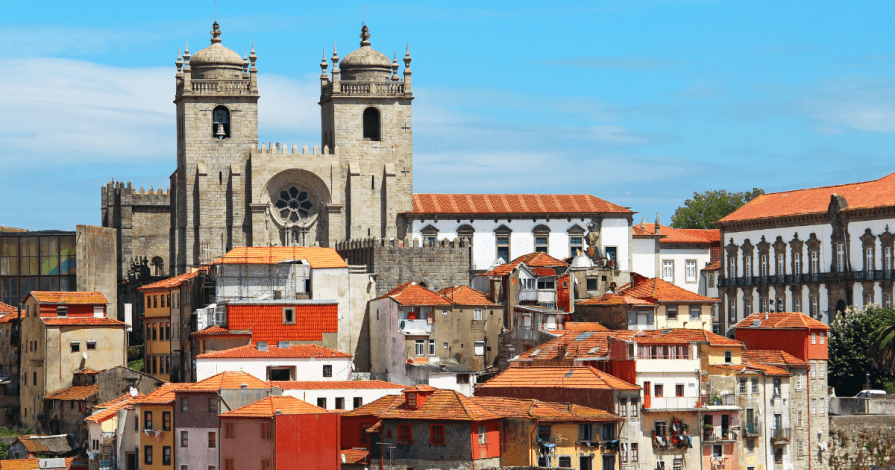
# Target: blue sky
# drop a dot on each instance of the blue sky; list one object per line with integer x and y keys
{"x": 640, "y": 103}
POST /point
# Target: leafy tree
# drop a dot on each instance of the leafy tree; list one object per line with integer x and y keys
{"x": 4, "y": 450}
{"x": 884, "y": 340}
{"x": 850, "y": 349}
{"x": 706, "y": 208}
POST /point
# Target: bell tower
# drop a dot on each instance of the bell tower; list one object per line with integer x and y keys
{"x": 366, "y": 113}
{"x": 217, "y": 127}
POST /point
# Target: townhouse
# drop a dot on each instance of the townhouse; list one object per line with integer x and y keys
{"x": 674, "y": 255}
{"x": 338, "y": 395}
{"x": 280, "y": 362}
{"x": 152, "y": 435}
{"x": 103, "y": 433}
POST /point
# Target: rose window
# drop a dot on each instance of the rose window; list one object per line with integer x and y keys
{"x": 294, "y": 204}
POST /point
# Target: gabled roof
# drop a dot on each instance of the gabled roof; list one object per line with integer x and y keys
{"x": 354, "y": 456}
{"x": 318, "y": 258}
{"x": 682, "y": 336}
{"x": 75, "y": 392}
{"x": 712, "y": 235}
{"x": 172, "y": 282}
{"x": 8, "y": 317}
{"x": 215, "y": 330}
{"x": 579, "y": 345}
{"x": 532, "y": 260}
{"x": 657, "y": 290}
{"x": 109, "y": 409}
{"x": 71, "y": 298}
{"x": 228, "y": 380}
{"x": 773, "y": 357}
{"x": 275, "y": 404}
{"x": 447, "y": 405}
{"x": 81, "y": 321}
{"x": 298, "y": 351}
{"x": 583, "y": 377}
{"x": 162, "y": 395}
{"x": 57, "y": 444}
{"x": 413, "y": 294}
{"x": 863, "y": 195}
{"x": 545, "y": 411}
{"x": 337, "y": 385}
{"x": 713, "y": 267}
{"x": 782, "y": 320}
{"x": 513, "y": 204}
{"x": 5, "y": 308}
{"x": 376, "y": 407}
{"x": 673, "y": 235}
{"x": 464, "y": 295}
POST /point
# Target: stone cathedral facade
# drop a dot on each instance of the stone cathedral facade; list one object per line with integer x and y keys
{"x": 228, "y": 191}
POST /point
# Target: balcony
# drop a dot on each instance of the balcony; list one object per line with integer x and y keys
{"x": 671, "y": 441}
{"x": 363, "y": 87}
{"x": 411, "y": 327}
{"x": 227, "y": 87}
{"x": 751, "y": 429}
{"x": 674, "y": 403}
{"x": 727, "y": 399}
{"x": 528, "y": 295}
{"x": 717, "y": 436}
{"x": 779, "y": 435}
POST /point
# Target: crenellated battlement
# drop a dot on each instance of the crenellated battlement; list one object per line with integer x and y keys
{"x": 118, "y": 193}
{"x": 283, "y": 149}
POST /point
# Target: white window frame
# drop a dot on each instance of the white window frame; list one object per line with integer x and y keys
{"x": 420, "y": 346}
{"x": 431, "y": 347}
{"x": 690, "y": 271}
{"x": 868, "y": 258}
{"x": 483, "y": 433}
{"x": 781, "y": 266}
{"x": 887, "y": 259}
{"x": 526, "y": 321}
{"x": 697, "y": 309}
{"x": 479, "y": 348}
{"x": 668, "y": 270}
{"x": 477, "y": 314}
{"x": 796, "y": 303}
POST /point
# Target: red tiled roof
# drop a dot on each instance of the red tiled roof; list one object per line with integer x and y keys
{"x": 300, "y": 351}
{"x": 9, "y": 317}
{"x": 657, "y": 290}
{"x": 376, "y": 407}
{"x": 446, "y": 405}
{"x": 81, "y": 321}
{"x": 766, "y": 368}
{"x": 532, "y": 260}
{"x": 712, "y": 235}
{"x": 545, "y": 411}
{"x": 682, "y": 336}
{"x": 164, "y": 394}
{"x": 171, "y": 282}
{"x": 354, "y": 456}
{"x": 465, "y": 295}
{"x": 615, "y": 299}
{"x": 267, "y": 407}
{"x": 411, "y": 294}
{"x": 317, "y": 257}
{"x": 337, "y": 385}
{"x": 5, "y": 308}
{"x": 110, "y": 409}
{"x": 71, "y": 298}
{"x": 713, "y": 267}
{"x": 642, "y": 232}
{"x": 544, "y": 271}
{"x": 215, "y": 330}
{"x": 564, "y": 377}
{"x": 579, "y": 326}
{"x": 229, "y": 380}
{"x": 75, "y": 392}
{"x": 782, "y": 320}
{"x": 34, "y": 464}
{"x": 863, "y": 195}
{"x": 265, "y": 321}
{"x": 672, "y": 235}
{"x": 512, "y": 204}
{"x": 572, "y": 345}
{"x": 774, "y": 357}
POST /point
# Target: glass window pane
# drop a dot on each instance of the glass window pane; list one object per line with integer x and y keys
{"x": 67, "y": 255}
{"x": 9, "y": 291}
{"x": 27, "y": 284}
{"x": 68, "y": 283}
{"x": 50, "y": 283}
{"x": 49, "y": 255}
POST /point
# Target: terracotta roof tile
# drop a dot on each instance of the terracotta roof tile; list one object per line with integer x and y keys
{"x": 81, "y": 321}
{"x": 713, "y": 267}
{"x": 532, "y": 260}
{"x": 672, "y": 235}
{"x": 712, "y": 235}
{"x": 229, "y": 380}
{"x": 317, "y": 257}
{"x": 5, "y": 308}
{"x": 354, "y": 456}
{"x": 72, "y": 298}
{"x": 75, "y": 392}
{"x": 164, "y": 394}
{"x": 767, "y": 369}
{"x": 215, "y": 330}
{"x": 465, "y": 295}
{"x": 337, "y": 385}
{"x": 512, "y": 204}
{"x": 267, "y": 407}
{"x": 615, "y": 299}
{"x": 563, "y": 377}
{"x": 376, "y": 407}
{"x": 863, "y": 195}
{"x": 109, "y": 409}
{"x": 682, "y": 336}
{"x": 782, "y": 320}
{"x": 34, "y": 463}
{"x": 442, "y": 405}
{"x": 545, "y": 411}
{"x": 411, "y": 294}
{"x": 657, "y": 290}
{"x": 579, "y": 326}
{"x": 171, "y": 282}
{"x": 9, "y": 317}
{"x": 265, "y": 321}
{"x": 774, "y": 357}
{"x": 299, "y": 351}
{"x": 642, "y": 232}
{"x": 578, "y": 344}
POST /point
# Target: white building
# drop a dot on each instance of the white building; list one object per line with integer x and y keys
{"x": 267, "y": 362}
{"x": 339, "y": 395}
{"x": 813, "y": 250}
{"x": 674, "y": 255}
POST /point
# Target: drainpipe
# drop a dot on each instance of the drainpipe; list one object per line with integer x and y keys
{"x": 808, "y": 388}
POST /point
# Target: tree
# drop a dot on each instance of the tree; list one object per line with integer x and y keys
{"x": 850, "y": 349}
{"x": 706, "y": 208}
{"x": 883, "y": 345}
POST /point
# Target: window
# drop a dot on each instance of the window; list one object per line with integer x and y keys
{"x": 371, "y": 124}
{"x": 868, "y": 258}
{"x": 327, "y": 370}
{"x": 690, "y": 270}
{"x": 228, "y": 464}
{"x": 479, "y": 348}
{"x": 822, "y": 407}
{"x": 212, "y": 439}
{"x": 814, "y": 406}
{"x": 717, "y": 451}
{"x": 799, "y": 381}
{"x": 764, "y": 266}
{"x": 755, "y": 386}
{"x": 796, "y": 303}
{"x": 776, "y": 388}
{"x": 405, "y": 433}
{"x": 420, "y": 347}
{"x": 695, "y": 311}
{"x": 229, "y": 432}
{"x": 75, "y": 346}
{"x": 634, "y": 407}
{"x": 800, "y": 419}
{"x": 477, "y": 314}
{"x": 635, "y": 457}
{"x": 728, "y": 357}
{"x": 750, "y": 445}
{"x": 575, "y": 245}
{"x": 526, "y": 321}
{"x": 821, "y": 337}
{"x": 671, "y": 312}
{"x": 340, "y": 403}
{"x": 166, "y": 455}
{"x": 288, "y": 316}
{"x": 711, "y": 279}
{"x": 778, "y": 455}
{"x": 321, "y": 402}
{"x": 147, "y": 420}
{"x": 887, "y": 259}
{"x": 813, "y": 338}
{"x": 482, "y": 434}
{"x": 732, "y": 309}
{"x": 184, "y": 405}
{"x": 668, "y": 270}
{"x": 147, "y": 455}
{"x": 815, "y": 311}
{"x": 658, "y": 390}
{"x": 436, "y": 434}
{"x": 585, "y": 432}
{"x": 565, "y": 462}
{"x": 801, "y": 449}
{"x": 503, "y": 247}
{"x": 623, "y": 407}
{"x": 213, "y": 405}
{"x": 679, "y": 390}
{"x": 541, "y": 244}
{"x": 265, "y": 427}
{"x": 166, "y": 420}
{"x": 543, "y": 433}
{"x": 265, "y": 464}
{"x": 431, "y": 347}
{"x": 546, "y": 283}
{"x": 184, "y": 439}
{"x": 591, "y": 283}
{"x": 358, "y": 402}
{"x": 747, "y": 307}
{"x": 840, "y": 257}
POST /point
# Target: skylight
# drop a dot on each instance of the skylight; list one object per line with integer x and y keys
{"x": 583, "y": 336}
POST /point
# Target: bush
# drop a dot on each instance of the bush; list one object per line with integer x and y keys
{"x": 136, "y": 365}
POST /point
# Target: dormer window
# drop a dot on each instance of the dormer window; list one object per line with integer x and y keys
{"x": 411, "y": 400}
{"x": 220, "y": 123}
{"x": 62, "y": 311}
{"x": 288, "y": 315}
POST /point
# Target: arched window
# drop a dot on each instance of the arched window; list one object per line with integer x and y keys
{"x": 158, "y": 265}
{"x": 371, "y": 124}
{"x": 220, "y": 122}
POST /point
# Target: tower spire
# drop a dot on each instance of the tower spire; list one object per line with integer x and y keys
{"x": 365, "y": 36}
{"x": 215, "y": 33}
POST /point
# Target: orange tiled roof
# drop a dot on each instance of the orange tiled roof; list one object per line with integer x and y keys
{"x": 712, "y": 235}
{"x": 162, "y": 395}
{"x": 267, "y": 407}
{"x": 782, "y": 320}
{"x": 71, "y": 298}
{"x": 215, "y": 330}
{"x": 713, "y": 267}
{"x": 672, "y": 235}
{"x": 81, "y": 321}
{"x": 583, "y": 326}
{"x": 299, "y": 351}
{"x": 265, "y": 321}
{"x": 337, "y": 385}
{"x": 774, "y": 357}
{"x": 545, "y": 411}
{"x": 354, "y": 456}
{"x": 512, "y": 204}
{"x": 9, "y": 317}
{"x": 863, "y": 195}
{"x": 75, "y": 392}
{"x": 444, "y": 405}
{"x": 615, "y": 299}
{"x": 683, "y": 336}
{"x": 171, "y": 282}
{"x": 465, "y": 295}
{"x": 110, "y": 408}
{"x": 657, "y": 290}
{"x": 376, "y": 407}
{"x": 642, "y": 232}
{"x": 576, "y": 344}
{"x": 532, "y": 260}
{"x": 558, "y": 377}
{"x": 34, "y": 464}
{"x": 411, "y": 293}
{"x": 5, "y": 308}
{"x": 317, "y": 257}
{"x": 229, "y": 380}
{"x": 767, "y": 369}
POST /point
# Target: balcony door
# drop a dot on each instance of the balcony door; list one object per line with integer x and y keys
{"x": 646, "y": 394}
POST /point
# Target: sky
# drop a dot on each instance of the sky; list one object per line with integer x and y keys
{"x": 641, "y": 103}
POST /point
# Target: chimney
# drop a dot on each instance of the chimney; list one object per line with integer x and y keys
{"x": 262, "y": 346}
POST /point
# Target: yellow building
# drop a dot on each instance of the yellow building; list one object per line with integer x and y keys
{"x": 157, "y": 328}
{"x": 155, "y": 428}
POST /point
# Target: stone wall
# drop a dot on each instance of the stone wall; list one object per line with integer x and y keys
{"x": 851, "y": 406}
{"x": 860, "y": 441}
{"x": 142, "y": 220}
{"x": 96, "y": 252}
{"x": 444, "y": 264}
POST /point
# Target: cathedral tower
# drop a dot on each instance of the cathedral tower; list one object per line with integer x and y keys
{"x": 217, "y": 128}
{"x": 366, "y": 114}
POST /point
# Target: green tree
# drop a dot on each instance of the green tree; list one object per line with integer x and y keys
{"x": 706, "y": 208}
{"x": 4, "y": 450}
{"x": 884, "y": 341}
{"x": 850, "y": 348}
